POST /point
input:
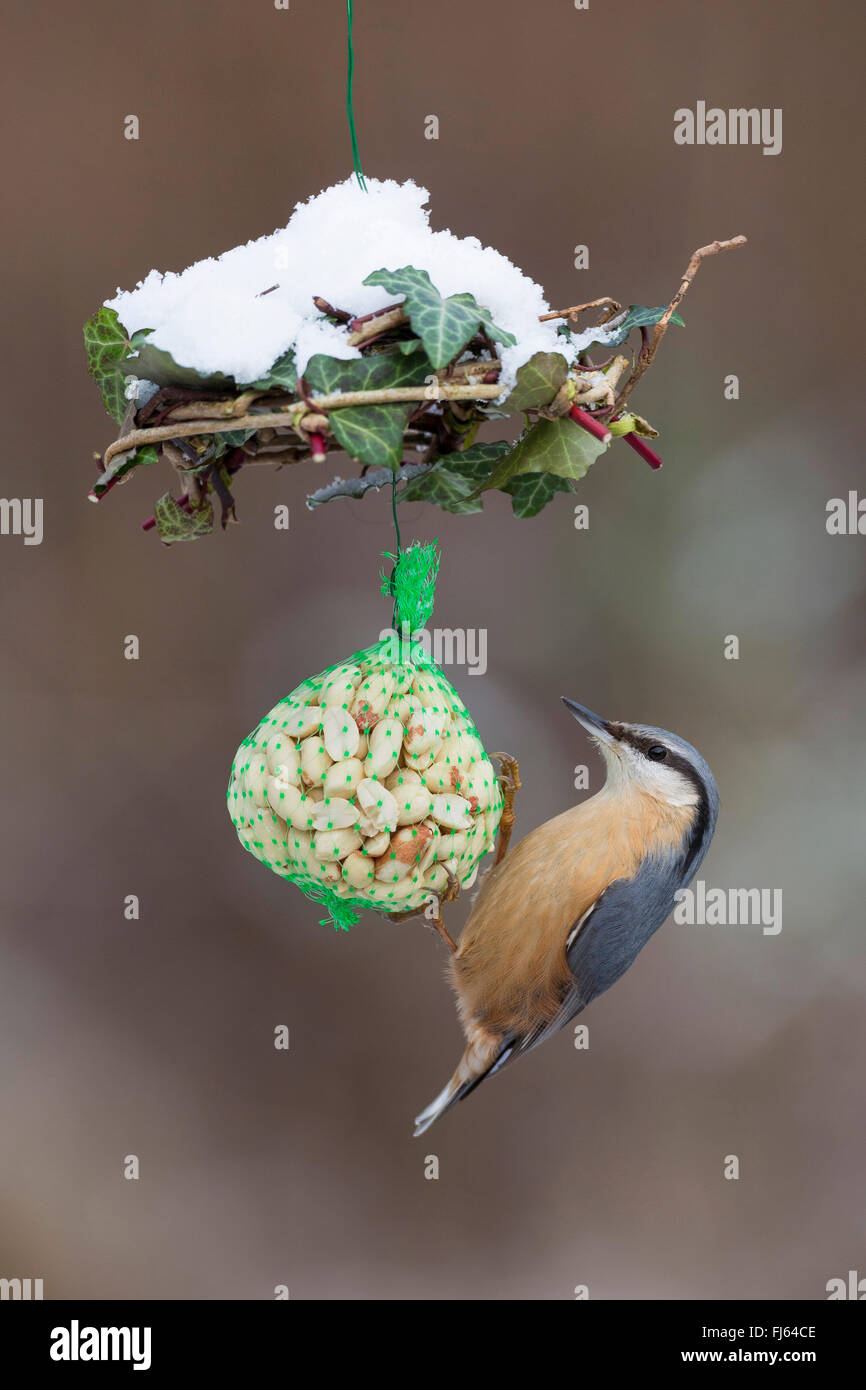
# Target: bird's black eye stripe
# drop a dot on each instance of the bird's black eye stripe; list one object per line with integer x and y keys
{"x": 657, "y": 752}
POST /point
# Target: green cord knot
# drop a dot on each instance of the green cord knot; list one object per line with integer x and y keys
{"x": 342, "y": 913}
{"x": 412, "y": 583}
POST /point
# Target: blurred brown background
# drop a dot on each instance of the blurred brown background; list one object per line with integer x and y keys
{"x": 155, "y": 1037}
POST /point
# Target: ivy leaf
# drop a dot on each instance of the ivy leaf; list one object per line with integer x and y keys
{"x": 538, "y": 381}
{"x": 407, "y": 346}
{"x": 233, "y": 439}
{"x": 153, "y": 363}
{"x": 452, "y": 482}
{"x": 379, "y": 371}
{"x": 476, "y": 462}
{"x": 174, "y": 523}
{"x": 222, "y": 443}
{"x": 282, "y": 375}
{"x": 107, "y": 344}
{"x": 638, "y": 316}
{"x": 532, "y": 491}
{"x": 371, "y": 433}
{"x": 443, "y": 325}
{"x": 559, "y": 446}
{"x": 444, "y": 489}
{"x": 122, "y": 465}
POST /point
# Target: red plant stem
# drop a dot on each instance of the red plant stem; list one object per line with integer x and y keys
{"x": 328, "y": 309}
{"x": 98, "y": 496}
{"x": 317, "y": 447}
{"x": 582, "y": 418}
{"x": 646, "y": 453}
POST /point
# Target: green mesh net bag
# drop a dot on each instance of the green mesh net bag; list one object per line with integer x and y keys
{"x": 368, "y": 786}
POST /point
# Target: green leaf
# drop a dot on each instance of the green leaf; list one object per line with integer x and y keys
{"x": 453, "y": 481}
{"x": 538, "y": 381}
{"x": 444, "y": 326}
{"x": 107, "y": 344}
{"x": 174, "y": 523}
{"x": 407, "y": 346}
{"x": 476, "y": 462}
{"x": 282, "y": 375}
{"x": 371, "y": 433}
{"x": 638, "y": 316}
{"x": 444, "y": 489}
{"x": 122, "y": 466}
{"x": 379, "y": 371}
{"x": 233, "y": 439}
{"x": 532, "y": 491}
{"x": 560, "y": 447}
{"x": 222, "y": 443}
{"x": 153, "y": 363}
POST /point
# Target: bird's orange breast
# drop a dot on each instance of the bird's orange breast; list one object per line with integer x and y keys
{"x": 510, "y": 967}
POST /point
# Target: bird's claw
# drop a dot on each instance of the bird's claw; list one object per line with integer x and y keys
{"x": 509, "y": 781}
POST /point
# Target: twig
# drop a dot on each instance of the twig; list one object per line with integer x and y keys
{"x": 190, "y": 484}
{"x": 373, "y": 327}
{"x": 648, "y": 353}
{"x": 264, "y": 420}
{"x": 461, "y": 370}
{"x": 579, "y": 308}
{"x": 374, "y": 314}
{"x": 329, "y": 311}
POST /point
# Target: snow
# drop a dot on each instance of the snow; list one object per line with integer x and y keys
{"x": 214, "y": 316}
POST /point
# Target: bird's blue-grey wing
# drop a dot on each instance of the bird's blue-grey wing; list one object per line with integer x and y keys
{"x": 602, "y": 945}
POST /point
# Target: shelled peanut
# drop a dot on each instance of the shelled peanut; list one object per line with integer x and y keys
{"x": 369, "y": 780}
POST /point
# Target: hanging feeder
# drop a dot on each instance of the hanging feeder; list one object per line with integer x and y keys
{"x": 369, "y": 786}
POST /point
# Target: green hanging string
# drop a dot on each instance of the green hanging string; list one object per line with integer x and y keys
{"x": 350, "y": 110}
{"x": 393, "y": 588}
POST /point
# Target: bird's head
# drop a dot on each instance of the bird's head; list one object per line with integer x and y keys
{"x": 641, "y": 758}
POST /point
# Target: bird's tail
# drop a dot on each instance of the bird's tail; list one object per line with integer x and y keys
{"x": 483, "y": 1056}
{"x": 447, "y": 1097}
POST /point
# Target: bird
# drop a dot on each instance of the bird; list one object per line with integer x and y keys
{"x": 565, "y": 913}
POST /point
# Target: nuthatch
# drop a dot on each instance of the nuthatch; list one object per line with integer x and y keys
{"x": 561, "y": 918}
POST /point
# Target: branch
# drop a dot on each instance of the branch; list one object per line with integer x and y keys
{"x": 647, "y": 355}
{"x": 444, "y": 391}
{"x": 576, "y": 309}
{"x": 374, "y": 324}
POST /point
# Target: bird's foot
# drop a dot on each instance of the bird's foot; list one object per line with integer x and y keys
{"x": 509, "y": 781}
{"x": 432, "y": 911}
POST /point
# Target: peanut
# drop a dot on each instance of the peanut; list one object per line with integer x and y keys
{"x": 342, "y": 778}
{"x": 339, "y": 734}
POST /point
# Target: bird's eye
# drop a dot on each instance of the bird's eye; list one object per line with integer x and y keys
{"x": 657, "y": 752}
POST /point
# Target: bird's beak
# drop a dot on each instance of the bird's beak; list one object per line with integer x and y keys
{"x": 599, "y": 728}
